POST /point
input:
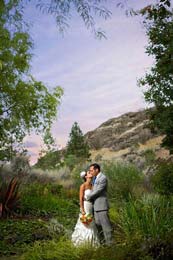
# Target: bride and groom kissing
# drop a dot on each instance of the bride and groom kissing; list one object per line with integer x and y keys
{"x": 94, "y": 206}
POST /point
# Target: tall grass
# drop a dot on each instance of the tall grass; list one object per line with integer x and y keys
{"x": 146, "y": 226}
{"x": 64, "y": 250}
{"x": 123, "y": 180}
{"x": 48, "y": 200}
{"x": 149, "y": 220}
{"x": 51, "y": 250}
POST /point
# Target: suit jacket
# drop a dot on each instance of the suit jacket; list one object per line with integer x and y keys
{"x": 99, "y": 193}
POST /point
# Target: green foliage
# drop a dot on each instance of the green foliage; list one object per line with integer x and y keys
{"x": 57, "y": 230}
{"x": 71, "y": 160}
{"x": 51, "y": 250}
{"x": 77, "y": 148}
{"x": 86, "y": 10}
{"x": 148, "y": 222}
{"x": 51, "y": 160}
{"x": 149, "y": 216}
{"x": 162, "y": 118}
{"x": 150, "y": 156}
{"x": 17, "y": 234}
{"x": 48, "y": 200}
{"x": 9, "y": 197}
{"x": 162, "y": 180}
{"x": 25, "y": 104}
{"x": 158, "y": 20}
{"x": 123, "y": 180}
{"x": 143, "y": 227}
{"x": 64, "y": 250}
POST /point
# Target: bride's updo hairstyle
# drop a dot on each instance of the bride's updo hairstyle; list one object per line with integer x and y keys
{"x": 83, "y": 174}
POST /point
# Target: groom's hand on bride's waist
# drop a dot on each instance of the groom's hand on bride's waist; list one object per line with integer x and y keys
{"x": 89, "y": 200}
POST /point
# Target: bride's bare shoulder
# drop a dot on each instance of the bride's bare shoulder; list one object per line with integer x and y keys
{"x": 82, "y": 186}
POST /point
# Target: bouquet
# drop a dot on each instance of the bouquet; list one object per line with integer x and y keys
{"x": 86, "y": 219}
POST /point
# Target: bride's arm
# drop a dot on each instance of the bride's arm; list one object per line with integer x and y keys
{"x": 81, "y": 198}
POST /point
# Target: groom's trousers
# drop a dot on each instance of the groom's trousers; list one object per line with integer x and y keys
{"x": 103, "y": 224}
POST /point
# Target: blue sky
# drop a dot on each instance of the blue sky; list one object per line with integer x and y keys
{"x": 99, "y": 77}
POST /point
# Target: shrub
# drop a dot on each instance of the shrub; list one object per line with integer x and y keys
{"x": 71, "y": 160}
{"x": 123, "y": 179}
{"x": 60, "y": 176}
{"x": 42, "y": 200}
{"x": 9, "y": 197}
{"x": 16, "y": 234}
{"x": 163, "y": 179}
{"x": 150, "y": 156}
{"x": 150, "y": 216}
{"x": 148, "y": 222}
{"x": 6, "y": 173}
{"x": 20, "y": 165}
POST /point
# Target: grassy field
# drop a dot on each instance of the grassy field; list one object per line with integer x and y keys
{"x": 41, "y": 229}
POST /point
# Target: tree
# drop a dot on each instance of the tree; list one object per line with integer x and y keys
{"x": 87, "y": 10}
{"x": 162, "y": 180}
{"x": 77, "y": 145}
{"x": 63, "y": 11}
{"x": 25, "y": 104}
{"x": 158, "y": 21}
{"x": 51, "y": 160}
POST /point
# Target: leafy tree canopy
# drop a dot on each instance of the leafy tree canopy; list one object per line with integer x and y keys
{"x": 25, "y": 104}
{"x": 87, "y": 10}
{"x": 63, "y": 12}
{"x": 158, "y": 83}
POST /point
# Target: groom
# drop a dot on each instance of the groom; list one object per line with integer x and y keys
{"x": 100, "y": 203}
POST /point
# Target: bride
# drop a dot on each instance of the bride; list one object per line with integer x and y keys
{"x": 85, "y": 230}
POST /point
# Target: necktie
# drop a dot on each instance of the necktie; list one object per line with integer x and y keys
{"x": 94, "y": 180}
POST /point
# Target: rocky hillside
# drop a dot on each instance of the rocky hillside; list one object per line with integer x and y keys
{"x": 121, "y": 132}
{"x": 125, "y": 137}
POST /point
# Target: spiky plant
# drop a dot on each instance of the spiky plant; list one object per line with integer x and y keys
{"x": 9, "y": 197}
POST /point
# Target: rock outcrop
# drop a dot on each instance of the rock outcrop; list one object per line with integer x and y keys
{"x": 121, "y": 132}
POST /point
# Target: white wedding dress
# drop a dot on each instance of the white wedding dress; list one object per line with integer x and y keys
{"x": 86, "y": 233}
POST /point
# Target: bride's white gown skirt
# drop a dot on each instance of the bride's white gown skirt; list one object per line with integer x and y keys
{"x": 86, "y": 234}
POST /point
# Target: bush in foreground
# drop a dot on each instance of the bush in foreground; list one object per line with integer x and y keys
{"x": 162, "y": 180}
{"x": 148, "y": 223}
{"x": 123, "y": 180}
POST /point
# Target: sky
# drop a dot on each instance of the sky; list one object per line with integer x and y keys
{"x": 99, "y": 77}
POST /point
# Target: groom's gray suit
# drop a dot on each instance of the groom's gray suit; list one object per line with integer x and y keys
{"x": 101, "y": 206}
